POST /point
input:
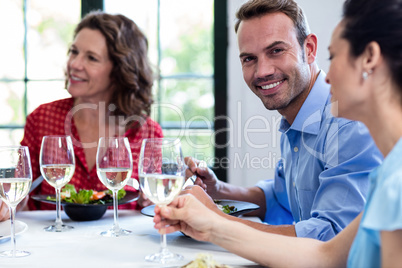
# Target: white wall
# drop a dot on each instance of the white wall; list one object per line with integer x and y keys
{"x": 253, "y": 154}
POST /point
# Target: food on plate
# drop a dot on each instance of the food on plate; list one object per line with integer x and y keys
{"x": 204, "y": 261}
{"x": 225, "y": 208}
{"x": 70, "y": 195}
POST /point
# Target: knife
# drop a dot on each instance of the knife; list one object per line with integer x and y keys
{"x": 36, "y": 183}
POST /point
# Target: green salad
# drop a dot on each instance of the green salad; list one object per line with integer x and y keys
{"x": 225, "y": 208}
{"x": 70, "y": 195}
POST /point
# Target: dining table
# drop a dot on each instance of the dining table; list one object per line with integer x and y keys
{"x": 83, "y": 246}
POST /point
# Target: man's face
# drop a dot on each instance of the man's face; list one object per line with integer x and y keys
{"x": 272, "y": 60}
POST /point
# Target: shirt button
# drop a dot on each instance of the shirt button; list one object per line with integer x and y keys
{"x": 294, "y": 184}
{"x": 295, "y": 149}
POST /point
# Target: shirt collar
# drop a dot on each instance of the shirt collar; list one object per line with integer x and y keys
{"x": 308, "y": 119}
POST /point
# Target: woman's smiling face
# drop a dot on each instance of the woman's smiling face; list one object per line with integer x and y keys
{"x": 89, "y": 67}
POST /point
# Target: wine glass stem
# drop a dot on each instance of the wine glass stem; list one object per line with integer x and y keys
{"x": 163, "y": 243}
{"x": 59, "y": 223}
{"x": 12, "y": 217}
{"x": 115, "y": 206}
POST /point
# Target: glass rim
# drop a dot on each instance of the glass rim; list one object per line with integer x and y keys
{"x": 109, "y": 138}
{"x": 56, "y": 136}
{"x": 166, "y": 142}
{"x": 162, "y": 139}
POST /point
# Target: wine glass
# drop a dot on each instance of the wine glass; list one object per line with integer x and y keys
{"x": 114, "y": 165}
{"x": 57, "y": 165}
{"x": 161, "y": 172}
{"x": 15, "y": 182}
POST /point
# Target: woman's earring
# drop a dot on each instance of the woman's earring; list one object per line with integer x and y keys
{"x": 366, "y": 74}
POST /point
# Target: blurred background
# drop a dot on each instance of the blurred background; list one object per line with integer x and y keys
{"x": 199, "y": 92}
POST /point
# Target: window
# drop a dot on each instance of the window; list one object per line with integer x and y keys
{"x": 181, "y": 47}
{"x": 33, "y": 58}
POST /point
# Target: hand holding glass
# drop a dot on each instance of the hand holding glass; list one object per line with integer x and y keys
{"x": 114, "y": 165}
{"x": 15, "y": 182}
{"x": 161, "y": 171}
{"x": 57, "y": 165}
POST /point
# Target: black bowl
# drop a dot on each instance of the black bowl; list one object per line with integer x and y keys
{"x": 80, "y": 212}
{"x": 87, "y": 212}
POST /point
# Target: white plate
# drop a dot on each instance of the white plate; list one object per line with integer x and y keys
{"x": 5, "y": 229}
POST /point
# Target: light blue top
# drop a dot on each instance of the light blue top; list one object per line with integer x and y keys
{"x": 383, "y": 211}
{"x": 321, "y": 181}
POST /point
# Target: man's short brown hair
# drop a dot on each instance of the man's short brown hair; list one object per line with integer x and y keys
{"x": 259, "y": 8}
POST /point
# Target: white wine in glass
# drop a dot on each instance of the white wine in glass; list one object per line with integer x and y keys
{"x": 161, "y": 171}
{"x": 161, "y": 189}
{"x": 114, "y": 165}
{"x": 15, "y": 182}
{"x": 57, "y": 165}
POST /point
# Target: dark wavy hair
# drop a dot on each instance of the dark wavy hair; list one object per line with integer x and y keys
{"x": 379, "y": 21}
{"x": 132, "y": 73}
{"x": 259, "y": 8}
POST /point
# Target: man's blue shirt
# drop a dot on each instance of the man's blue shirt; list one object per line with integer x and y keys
{"x": 321, "y": 182}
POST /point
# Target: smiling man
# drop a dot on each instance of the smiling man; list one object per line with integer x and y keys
{"x": 275, "y": 67}
{"x": 321, "y": 182}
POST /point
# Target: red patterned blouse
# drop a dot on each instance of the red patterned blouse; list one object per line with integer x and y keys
{"x": 55, "y": 119}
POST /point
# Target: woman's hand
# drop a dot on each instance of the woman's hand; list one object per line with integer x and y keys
{"x": 202, "y": 196}
{"x": 188, "y": 215}
{"x": 4, "y": 211}
{"x": 143, "y": 201}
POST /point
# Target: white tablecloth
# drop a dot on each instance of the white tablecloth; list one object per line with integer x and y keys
{"x": 85, "y": 247}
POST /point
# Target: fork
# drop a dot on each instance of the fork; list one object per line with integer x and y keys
{"x": 191, "y": 180}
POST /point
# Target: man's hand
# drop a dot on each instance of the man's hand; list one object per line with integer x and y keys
{"x": 206, "y": 178}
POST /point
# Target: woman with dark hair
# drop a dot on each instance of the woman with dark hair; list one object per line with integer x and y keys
{"x": 110, "y": 81}
{"x": 366, "y": 85}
